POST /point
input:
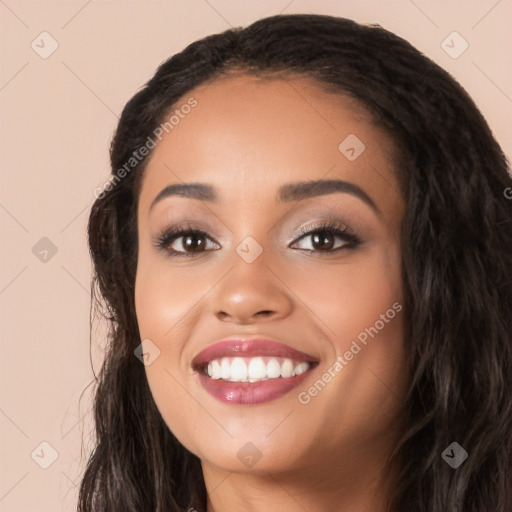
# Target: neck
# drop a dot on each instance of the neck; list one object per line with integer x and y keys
{"x": 351, "y": 484}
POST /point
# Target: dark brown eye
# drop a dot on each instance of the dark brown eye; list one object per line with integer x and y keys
{"x": 185, "y": 242}
{"x": 323, "y": 240}
{"x": 193, "y": 242}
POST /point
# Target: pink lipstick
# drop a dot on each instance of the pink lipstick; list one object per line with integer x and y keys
{"x": 251, "y": 371}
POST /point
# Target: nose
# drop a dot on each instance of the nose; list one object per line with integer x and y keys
{"x": 251, "y": 293}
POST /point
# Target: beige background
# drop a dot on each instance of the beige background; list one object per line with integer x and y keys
{"x": 57, "y": 119}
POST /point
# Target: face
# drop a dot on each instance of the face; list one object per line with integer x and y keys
{"x": 314, "y": 272}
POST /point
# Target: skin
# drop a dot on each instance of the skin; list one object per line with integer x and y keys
{"x": 248, "y": 136}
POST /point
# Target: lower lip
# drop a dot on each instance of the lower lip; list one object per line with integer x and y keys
{"x": 250, "y": 393}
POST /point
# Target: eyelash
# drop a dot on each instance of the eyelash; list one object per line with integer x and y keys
{"x": 351, "y": 241}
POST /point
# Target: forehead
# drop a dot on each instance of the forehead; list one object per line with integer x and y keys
{"x": 262, "y": 132}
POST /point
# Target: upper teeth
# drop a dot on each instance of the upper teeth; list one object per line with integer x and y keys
{"x": 252, "y": 369}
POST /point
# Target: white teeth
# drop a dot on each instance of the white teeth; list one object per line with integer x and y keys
{"x": 238, "y": 370}
{"x": 301, "y": 368}
{"x": 287, "y": 369}
{"x": 225, "y": 368}
{"x": 273, "y": 369}
{"x": 257, "y": 368}
{"x": 216, "y": 369}
{"x": 254, "y": 369}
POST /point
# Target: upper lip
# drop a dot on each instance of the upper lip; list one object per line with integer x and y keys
{"x": 238, "y": 347}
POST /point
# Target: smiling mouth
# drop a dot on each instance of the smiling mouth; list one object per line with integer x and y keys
{"x": 254, "y": 369}
{"x": 248, "y": 390}
{"x": 251, "y": 371}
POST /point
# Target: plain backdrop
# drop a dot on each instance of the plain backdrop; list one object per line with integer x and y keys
{"x": 58, "y": 114}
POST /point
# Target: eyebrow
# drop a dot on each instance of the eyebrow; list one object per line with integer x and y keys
{"x": 286, "y": 193}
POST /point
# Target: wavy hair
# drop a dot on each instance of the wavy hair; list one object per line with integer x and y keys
{"x": 456, "y": 267}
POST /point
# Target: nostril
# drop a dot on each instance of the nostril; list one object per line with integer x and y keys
{"x": 266, "y": 312}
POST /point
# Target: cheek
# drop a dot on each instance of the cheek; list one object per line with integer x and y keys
{"x": 167, "y": 306}
{"x": 170, "y": 305}
{"x": 361, "y": 308}
{"x": 348, "y": 297}
{"x": 168, "y": 293}
{"x": 165, "y": 295}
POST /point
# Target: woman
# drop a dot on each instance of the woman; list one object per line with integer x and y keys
{"x": 304, "y": 250}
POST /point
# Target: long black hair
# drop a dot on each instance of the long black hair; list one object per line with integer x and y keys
{"x": 456, "y": 267}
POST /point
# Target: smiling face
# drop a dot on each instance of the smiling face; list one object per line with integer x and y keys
{"x": 334, "y": 294}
